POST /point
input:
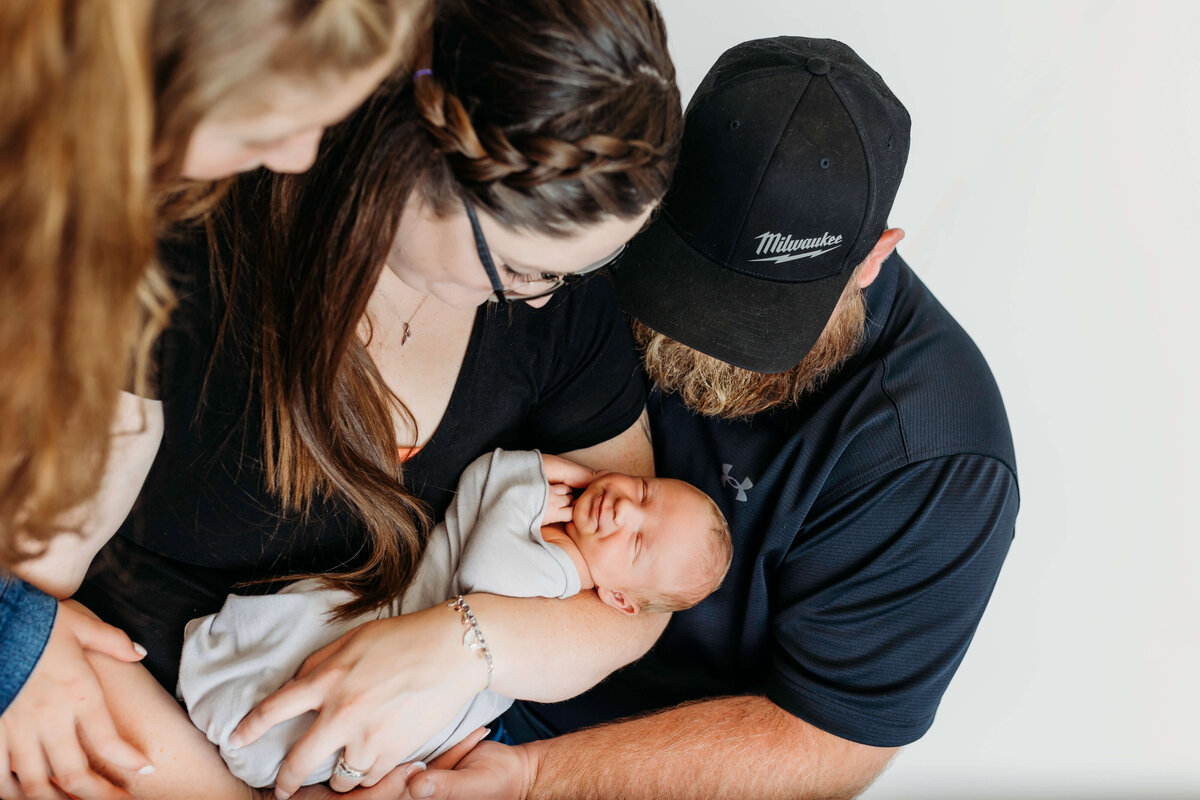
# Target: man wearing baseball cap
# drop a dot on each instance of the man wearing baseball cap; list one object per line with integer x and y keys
{"x": 847, "y": 426}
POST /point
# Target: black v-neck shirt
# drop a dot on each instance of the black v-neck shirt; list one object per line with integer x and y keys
{"x": 557, "y": 378}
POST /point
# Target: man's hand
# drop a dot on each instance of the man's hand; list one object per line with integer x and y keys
{"x": 492, "y": 771}
{"x": 60, "y": 717}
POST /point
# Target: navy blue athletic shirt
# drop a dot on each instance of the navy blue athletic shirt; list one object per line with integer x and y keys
{"x": 869, "y": 523}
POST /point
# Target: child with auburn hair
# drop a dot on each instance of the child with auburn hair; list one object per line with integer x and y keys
{"x": 110, "y": 107}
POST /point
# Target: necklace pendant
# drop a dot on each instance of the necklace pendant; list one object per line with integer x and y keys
{"x": 405, "y": 335}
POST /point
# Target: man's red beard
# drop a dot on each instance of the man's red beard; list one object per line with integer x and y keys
{"x": 715, "y": 388}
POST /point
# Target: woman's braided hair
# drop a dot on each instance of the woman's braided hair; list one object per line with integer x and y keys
{"x": 553, "y": 114}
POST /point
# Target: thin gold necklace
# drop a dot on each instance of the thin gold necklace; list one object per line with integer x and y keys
{"x": 406, "y": 326}
{"x": 406, "y": 329}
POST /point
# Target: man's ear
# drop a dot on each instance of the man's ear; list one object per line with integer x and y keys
{"x": 617, "y": 600}
{"x": 879, "y": 253}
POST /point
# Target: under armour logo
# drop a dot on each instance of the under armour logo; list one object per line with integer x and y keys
{"x": 734, "y": 483}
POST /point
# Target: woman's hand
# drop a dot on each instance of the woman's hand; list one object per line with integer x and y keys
{"x": 380, "y": 691}
{"x": 59, "y": 710}
{"x": 394, "y": 785}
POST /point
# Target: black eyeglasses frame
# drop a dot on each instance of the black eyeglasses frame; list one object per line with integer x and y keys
{"x": 504, "y": 296}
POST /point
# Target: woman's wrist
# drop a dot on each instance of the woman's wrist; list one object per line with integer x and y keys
{"x": 474, "y": 643}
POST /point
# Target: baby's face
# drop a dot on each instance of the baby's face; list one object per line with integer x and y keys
{"x": 639, "y": 534}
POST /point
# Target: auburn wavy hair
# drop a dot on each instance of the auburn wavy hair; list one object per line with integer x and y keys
{"x": 99, "y": 99}
{"x": 551, "y": 114}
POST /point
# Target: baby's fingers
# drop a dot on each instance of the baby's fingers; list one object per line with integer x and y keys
{"x": 556, "y": 514}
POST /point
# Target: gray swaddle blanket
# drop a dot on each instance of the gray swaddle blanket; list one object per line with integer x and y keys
{"x": 489, "y": 542}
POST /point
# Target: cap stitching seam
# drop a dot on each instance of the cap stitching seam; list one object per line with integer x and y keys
{"x": 868, "y": 157}
{"x": 763, "y": 169}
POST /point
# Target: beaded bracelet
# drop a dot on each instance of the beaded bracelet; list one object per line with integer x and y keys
{"x": 473, "y": 638}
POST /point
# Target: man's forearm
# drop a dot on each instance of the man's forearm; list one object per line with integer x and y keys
{"x": 725, "y": 748}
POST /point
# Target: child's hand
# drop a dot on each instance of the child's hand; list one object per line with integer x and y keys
{"x": 558, "y": 505}
{"x": 562, "y": 470}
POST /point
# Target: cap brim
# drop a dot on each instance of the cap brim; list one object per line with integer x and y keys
{"x": 755, "y": 324}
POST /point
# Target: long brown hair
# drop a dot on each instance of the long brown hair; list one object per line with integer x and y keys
{"x": 551, "y": 114}
{"x": 80, "y": 297}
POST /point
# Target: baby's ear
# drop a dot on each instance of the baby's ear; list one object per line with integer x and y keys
{"x": 617, "y": 600}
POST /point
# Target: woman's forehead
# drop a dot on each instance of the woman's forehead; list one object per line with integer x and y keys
{"x": 534, "y": 251}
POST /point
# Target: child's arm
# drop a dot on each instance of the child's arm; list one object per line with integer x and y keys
{"x": 136, "y": 434}
{"x": 186, "y": 765}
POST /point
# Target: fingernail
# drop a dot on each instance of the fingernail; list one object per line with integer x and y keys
{"x": 146, "y": 770}
{"x": 487, "y": 732}
{"x": 281, "y": 794}
{"x": 414, "y": 768}
{"x": 426, "y": 789}
{"x": 137, "y": 648}
{"x": 235, "y": 740}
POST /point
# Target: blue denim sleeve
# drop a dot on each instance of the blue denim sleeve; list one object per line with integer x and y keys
{"x": 26, "y": 617}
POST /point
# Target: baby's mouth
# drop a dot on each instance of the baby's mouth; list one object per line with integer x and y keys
{"x": 597, "y": 508}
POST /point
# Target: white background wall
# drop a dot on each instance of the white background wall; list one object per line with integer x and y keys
{"x": 1051, "y": 204}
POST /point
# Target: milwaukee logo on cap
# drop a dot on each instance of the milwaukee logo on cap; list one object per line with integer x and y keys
{"x": 786, "y": 246}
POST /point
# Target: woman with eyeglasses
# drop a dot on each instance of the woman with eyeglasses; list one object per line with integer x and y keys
{"x": 348, "y": 340}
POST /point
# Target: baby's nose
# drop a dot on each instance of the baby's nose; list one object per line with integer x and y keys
{"x": 626, "y": 514}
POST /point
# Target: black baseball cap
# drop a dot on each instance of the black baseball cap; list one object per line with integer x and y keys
{"x": 792, "y": 153}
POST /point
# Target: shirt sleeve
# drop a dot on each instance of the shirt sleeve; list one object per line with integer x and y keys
{"x": 881, "y": 593}
{"x": 593, "y": 388}
{"x": 26, "y": 617}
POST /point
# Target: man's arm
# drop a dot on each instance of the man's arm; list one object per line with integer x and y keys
{"x": 729, "y": 747}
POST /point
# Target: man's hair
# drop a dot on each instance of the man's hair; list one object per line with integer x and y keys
{"x": 707, "y": 571}
{"x": 715, "y": 388}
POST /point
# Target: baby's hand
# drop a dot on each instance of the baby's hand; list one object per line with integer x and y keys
{"x": 558, "y": 505}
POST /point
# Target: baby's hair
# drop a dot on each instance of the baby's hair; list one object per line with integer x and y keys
{"x": 708, "y": 569}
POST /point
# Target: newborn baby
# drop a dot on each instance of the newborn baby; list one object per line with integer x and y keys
{"x": 644, "y": 544}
